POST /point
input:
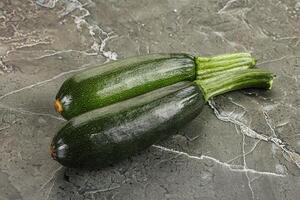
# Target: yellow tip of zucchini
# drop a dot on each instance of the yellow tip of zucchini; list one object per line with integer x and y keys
{"x": 52, "y": 152}
{"x": 58, "y": 106}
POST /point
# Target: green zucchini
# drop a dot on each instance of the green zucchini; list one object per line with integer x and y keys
{"x": 120, "y": 80}
{"x": 106, "y": 135}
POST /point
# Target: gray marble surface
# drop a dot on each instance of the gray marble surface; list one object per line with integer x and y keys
{"x": 244, "y": 145}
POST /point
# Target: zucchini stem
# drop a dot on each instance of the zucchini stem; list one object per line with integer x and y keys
{"x": 224, "y": 73}
{"x": 234, "y": 80}
{"x": 222, "y": 57}
{"x": 206, "y": 67}
{"x": 220, "y": 72}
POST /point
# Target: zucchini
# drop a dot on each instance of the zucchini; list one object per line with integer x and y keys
{"x": 120, "y": 80}
{"x": 106, "y": 135}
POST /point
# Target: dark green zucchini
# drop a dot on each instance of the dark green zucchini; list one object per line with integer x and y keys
{"x": 130, "y": 77}
{"x": 104, "y": 136}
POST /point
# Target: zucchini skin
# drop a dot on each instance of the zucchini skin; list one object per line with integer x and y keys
{"x": 121, "y": 80}
{"x": 104, "y": 136}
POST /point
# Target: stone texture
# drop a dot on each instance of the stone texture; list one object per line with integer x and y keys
{"x": 244, "y": 145}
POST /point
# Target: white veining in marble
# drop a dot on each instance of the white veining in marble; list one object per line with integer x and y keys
{"x": 42, "y": 42}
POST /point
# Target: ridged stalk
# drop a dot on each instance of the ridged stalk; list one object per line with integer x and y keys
{"x": 234, "y": 80}
{"x": 208, "y": 67}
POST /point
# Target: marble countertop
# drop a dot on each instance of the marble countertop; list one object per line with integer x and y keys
{"x": 244, "y": 145}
